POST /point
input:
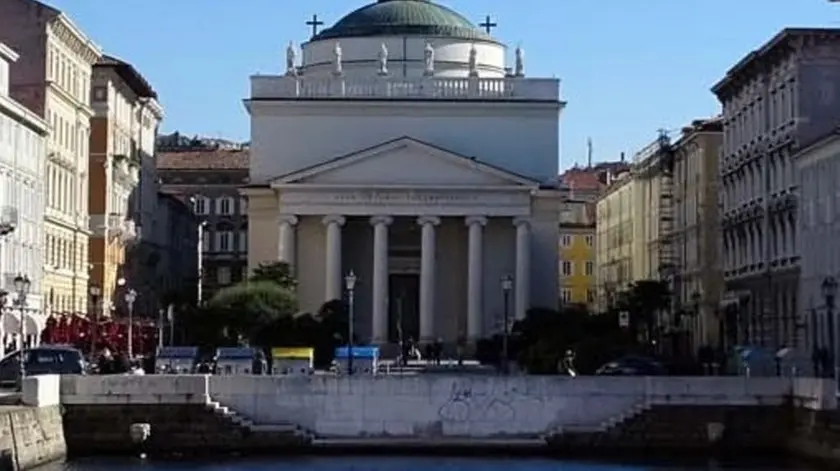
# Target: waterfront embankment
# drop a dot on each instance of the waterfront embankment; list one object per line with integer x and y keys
{"x": 568, "y": 416}
{"x": 31, "y": 432}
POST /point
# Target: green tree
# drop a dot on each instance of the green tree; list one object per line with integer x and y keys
{"x": 643, "y": 300}
{"x": 276, "y": 272}
{"x": 248, "y": 308}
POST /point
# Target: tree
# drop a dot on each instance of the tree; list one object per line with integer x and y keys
{"x": 248, "y": 308}
{"x": 643, "y": 300}
{"x": 276, "y": 272}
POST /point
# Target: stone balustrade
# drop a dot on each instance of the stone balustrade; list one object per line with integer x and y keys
{"x": 425, "y": 88}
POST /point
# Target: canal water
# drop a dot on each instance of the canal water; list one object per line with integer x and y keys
{"x": 410, "y": 464}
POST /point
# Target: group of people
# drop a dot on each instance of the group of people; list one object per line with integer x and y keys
{"x": 110, "y": 364}
{"x": 408, "y": 350}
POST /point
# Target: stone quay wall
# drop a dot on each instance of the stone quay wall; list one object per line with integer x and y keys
{"x": 206, "y": 414}
{"x": 31, "y": 434}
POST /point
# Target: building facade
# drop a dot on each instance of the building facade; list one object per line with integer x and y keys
{"x": 209, "y": 179}
{"x": 179, "y": 263}
{"x": 577, "y": 253}
{"x": 52, "y": 78}
{"x": 778, "y": 99}
{"x": 22, "y": 163}
{"x": 404, "y": 149}
{"x": 818, "y": 169}
{"x": 125, "y": 112}
{"x": 696, "y": 237}
{"x": 614, "y": 244}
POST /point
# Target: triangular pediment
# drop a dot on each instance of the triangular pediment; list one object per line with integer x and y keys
{"x": 405, "y": 161}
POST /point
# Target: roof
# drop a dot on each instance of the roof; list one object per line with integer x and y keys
{"x": 206, "y": 159}
{"x": 404, "y": 18}
{"x": 581, "y": 179}
{"x": 135, "y": 81}
{"x": 763, "y": 52}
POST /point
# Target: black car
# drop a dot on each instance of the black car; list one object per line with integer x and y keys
{"x": 632, "y": 365}
{"x": 45, "y": 359}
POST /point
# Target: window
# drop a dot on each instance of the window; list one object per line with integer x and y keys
{"x": 200, "y": 204}
{"x": 566, "y": 240}
{"x": 566, "y": 295}
{"x": 590, "y": 295}
{"x": 223, "y": 275}
{"x": 206, "y": 242}
{"x": 590, "y": 268}
{"x": 224, "y": 241}
{"x": 566, "y": 269}
{"x": 590, "y": 240}
{"x": 243, "y": 241}
{"x": 224, "y": 205}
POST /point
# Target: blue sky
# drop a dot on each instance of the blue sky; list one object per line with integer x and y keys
{"x": 628, "y": 67}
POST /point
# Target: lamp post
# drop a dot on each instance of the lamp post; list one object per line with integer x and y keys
{"x": 350, "y": 284}
{"x": 130, "y": 297}
{"x": 507, "y": 287}
{"x": 22, "y": 285}
{"x": 95, "y": 292}
{"x": 829, "y": 291}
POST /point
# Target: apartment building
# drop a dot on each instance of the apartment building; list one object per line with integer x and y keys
{"x": 52, "y": 78}
{"x": 614, "y": 223}
{"x": 22, "y": 162}
{"x": 580, "y": 189}
{"x": 698, "y": 281}
{"x": 778, "y": 99}
{"x": 210, "y": 176}
{"x": 178, "y": 267}
{"x": 125, "y": 121}
{"x": 577, "y": 253}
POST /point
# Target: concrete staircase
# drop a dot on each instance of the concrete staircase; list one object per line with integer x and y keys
{"x": 288, "y": 428}
{"x": 603, "y": 426}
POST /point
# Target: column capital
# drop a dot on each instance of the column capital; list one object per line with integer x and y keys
{"x": 522, "y": 221}
{"x": 430, "y": 220}
{"x": 289, "y": 219}
{"x": 334, "y": 219}
{"x": 473, "y": 220}
{"x": 381, "y": 220}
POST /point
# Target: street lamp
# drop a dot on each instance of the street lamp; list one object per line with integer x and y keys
{"x": 507, "y": 287}
{"x": 829, "y": 291}
{"x": 130, "y": 297}
{"x": 95, "y": 292}
{"x": 22, "y": 285}
{"x": 350, "y": 284}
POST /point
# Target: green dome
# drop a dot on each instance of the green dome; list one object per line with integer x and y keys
{"x": 401, "y": 18}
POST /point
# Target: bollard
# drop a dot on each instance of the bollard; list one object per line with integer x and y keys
{"x": 140, "y": 434}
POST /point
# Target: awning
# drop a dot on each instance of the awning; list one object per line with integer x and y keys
{"x": 11, "y": 322}
{"x": 35, "y": 323}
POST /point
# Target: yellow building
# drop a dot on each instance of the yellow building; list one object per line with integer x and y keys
{"x": 577, "y": 253}
{"x": 614, "y": 240}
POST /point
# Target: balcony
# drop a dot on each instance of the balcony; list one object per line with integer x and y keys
{"x": 420, "y": 88}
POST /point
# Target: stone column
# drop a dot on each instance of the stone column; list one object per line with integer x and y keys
{"x": 286, "y": 239}
{"x": 380, "y": 277}
{"x": 475, "y": 279}
{"x": 522, "y": 290}
{"x": 332, "y": 274}
{"x": 427, "y": 277}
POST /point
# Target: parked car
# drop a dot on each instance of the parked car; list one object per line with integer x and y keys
{"x": 44, "y": 359}
{"x": 632, "y": 365}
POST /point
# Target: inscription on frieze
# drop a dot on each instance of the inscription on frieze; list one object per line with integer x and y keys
{"x": 402, "y": 197}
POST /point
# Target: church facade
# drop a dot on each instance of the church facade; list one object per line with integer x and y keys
{"x": 399, "y": 146}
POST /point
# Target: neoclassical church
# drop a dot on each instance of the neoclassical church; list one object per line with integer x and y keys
{"x": 407, "y": 145}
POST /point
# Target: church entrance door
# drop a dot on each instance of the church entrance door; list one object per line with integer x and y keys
{"x": 404, "y": 307}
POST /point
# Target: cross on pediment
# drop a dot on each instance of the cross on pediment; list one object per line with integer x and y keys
{"x": 314, "y": 23}
{"x": 488, "y": 24}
